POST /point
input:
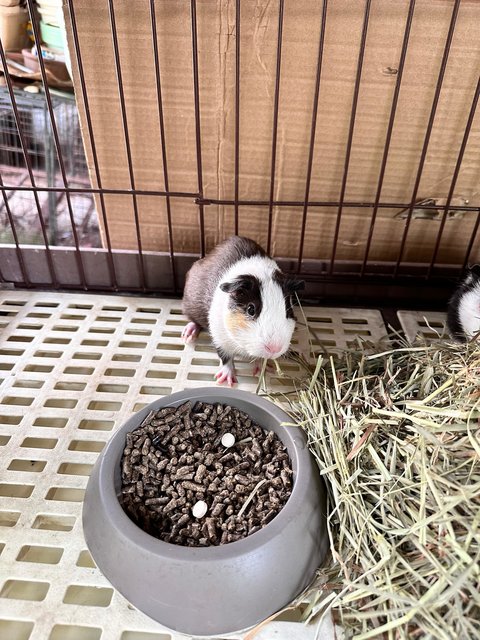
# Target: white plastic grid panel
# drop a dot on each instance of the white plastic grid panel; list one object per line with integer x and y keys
{"x": 73, "y": 368}
{"x": 427, "y": 324}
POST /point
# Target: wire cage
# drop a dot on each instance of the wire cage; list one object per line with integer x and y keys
{"x": 342, "y": 135}
{"x": 37, "y": 131}
{"x": 353, "y": 159}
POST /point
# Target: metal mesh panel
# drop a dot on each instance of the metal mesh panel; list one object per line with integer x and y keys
{"x": 48, "y": 201}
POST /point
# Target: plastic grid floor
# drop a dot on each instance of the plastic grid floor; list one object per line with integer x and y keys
{"x": 427, "y": 324}
{"x": 73, "y": 368}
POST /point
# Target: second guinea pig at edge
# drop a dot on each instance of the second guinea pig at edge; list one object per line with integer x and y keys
{"x": 243, "y": 299}
{"x": 463, "y": 317}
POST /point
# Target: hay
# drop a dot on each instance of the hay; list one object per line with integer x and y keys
{"x": 396, "y": 435}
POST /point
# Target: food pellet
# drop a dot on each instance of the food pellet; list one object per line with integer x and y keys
{"x": 200, "y": 508}
{"x": 184, "y": 483}
{"x": 228, "y": 440}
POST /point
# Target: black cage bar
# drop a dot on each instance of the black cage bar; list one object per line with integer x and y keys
{"x": 102, "y": 265}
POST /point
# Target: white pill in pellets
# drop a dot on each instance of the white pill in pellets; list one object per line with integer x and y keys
{"x": 228, "y": 440}
{"x": 199, "y": 509}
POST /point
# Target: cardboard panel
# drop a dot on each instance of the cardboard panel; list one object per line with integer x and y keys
{"x": 258, "y": 62}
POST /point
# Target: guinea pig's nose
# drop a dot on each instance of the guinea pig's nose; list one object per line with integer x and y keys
{"x": 273, "y": 348}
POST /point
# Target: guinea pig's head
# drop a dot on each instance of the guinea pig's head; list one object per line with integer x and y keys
{"x": 259, "y": 315}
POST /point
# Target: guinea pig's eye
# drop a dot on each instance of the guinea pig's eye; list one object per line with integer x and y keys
{"x": 251, "y": 310}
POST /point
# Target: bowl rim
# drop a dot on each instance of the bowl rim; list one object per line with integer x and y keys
{"x": 298, "y": 452}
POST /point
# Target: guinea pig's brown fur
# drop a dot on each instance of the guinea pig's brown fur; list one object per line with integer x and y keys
{"x": 236, "y": 320}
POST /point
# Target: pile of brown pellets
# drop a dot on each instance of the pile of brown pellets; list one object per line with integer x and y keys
{"x": 176, "y": 459}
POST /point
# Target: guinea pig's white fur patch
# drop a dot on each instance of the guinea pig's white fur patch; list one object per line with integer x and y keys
{"x": 271, "y": 326}
{"x": 469, "y": 311}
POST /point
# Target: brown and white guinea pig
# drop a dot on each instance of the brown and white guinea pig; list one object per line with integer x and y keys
{"x": 240, "y": 295}
{"x": 463, "y": 316}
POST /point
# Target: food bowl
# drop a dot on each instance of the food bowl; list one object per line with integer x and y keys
{"x": 205, "y": 591}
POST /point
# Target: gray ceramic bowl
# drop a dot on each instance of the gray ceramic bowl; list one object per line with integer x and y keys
{"x": 212, "y": 590}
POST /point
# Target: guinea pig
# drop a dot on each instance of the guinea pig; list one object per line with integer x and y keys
{"x": 463, "y": 316}
{"x": 243, "y": 299}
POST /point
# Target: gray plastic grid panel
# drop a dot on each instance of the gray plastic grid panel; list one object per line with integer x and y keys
{"x": 73, "y": 368}
{"x": 427, "y": 324}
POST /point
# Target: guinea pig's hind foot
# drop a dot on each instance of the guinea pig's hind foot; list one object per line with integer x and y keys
{"x": 226, "y": 373}
{"x": 190, "y": 332}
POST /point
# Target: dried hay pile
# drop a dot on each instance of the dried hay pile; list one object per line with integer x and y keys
{"x": 396, "y": 436}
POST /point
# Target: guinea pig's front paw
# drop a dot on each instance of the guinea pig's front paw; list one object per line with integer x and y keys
{"x": 226, "y": 374}
{"x": 190, "y": 332}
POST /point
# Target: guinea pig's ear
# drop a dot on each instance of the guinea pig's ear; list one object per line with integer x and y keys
{"x": 292, "y": 285}
{"x": 241, "y": 283}
{"x": 475, "y": 270}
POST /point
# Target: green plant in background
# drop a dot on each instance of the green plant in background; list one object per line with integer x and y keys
{"x": 24, "y": 237}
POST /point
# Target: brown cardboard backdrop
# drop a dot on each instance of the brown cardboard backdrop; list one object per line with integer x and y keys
{"x": 216, "y": 55}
